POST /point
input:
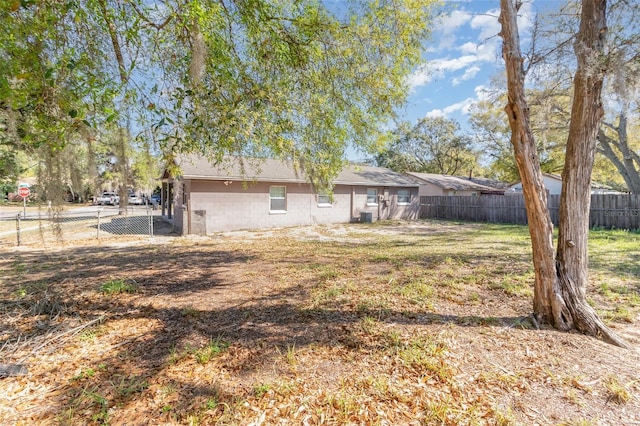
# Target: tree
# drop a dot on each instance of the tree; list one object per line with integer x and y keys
{"x": 492, "y": 134}
{"x": 616, "y": 143}
{"x": 619, "y": 147}
{"x": 555, "y": 62}
{"x": 432, "y": 145}
{"x": 560, "y": 282}
{"x": 293, "y": 80}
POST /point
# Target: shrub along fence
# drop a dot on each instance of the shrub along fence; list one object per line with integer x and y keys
{"x": 607, "y": 210}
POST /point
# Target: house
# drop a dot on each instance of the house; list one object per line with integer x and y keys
{"x": 254, "y": 194}
{"x": 553, "y": 183}
{"x": 437, "y": 184}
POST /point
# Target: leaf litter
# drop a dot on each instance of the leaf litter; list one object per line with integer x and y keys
{"x": 392, "y": 323}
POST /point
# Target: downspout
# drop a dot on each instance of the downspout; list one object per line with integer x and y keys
{"x": 352, "y": 203}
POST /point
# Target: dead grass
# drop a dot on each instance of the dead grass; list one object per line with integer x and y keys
{"x": 390, "y": 323}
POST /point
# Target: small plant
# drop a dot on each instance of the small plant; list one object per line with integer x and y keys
{"x": 87, "y": 335}
{"x": 291, "y": 355}
{"x": 425, "y": 355}
{"x": 210, "y": 404}
{"x": 102, "y": 416}
{"x": 618, "y": 393}
{"x": 168, "y": 389}
{"x": 369, "y": 324}
{"x": 129, "y": 385}
{"x": 505, "y": 418}
{"x": 85, "y": 374}
{"x": 190, "y": 311}
{"x": 117, "y": 286}
{"x": 166, "y": 408}
{"x": 260, "y": 389}
{"x": 438, "y": 412}
{"x": 214, "y": 348}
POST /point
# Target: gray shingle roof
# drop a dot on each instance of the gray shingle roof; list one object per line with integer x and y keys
{"x": 451, "y": 182}
{"x": 271, "y": 170}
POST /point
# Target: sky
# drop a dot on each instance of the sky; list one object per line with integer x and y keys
{"x": 461, "y": 58}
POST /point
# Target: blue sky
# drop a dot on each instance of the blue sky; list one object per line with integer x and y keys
{"x": 462, "y": 56}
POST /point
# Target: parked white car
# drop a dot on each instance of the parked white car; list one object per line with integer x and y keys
{"x": 110, "y": 198}
{"x": 134, "y": 200}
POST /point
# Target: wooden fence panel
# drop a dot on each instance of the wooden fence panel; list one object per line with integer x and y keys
{"x": 610, "y": 211}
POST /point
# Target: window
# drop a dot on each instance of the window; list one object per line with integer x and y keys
{"x": 184, "y": 194}
{"x": 372, "y": 196}
{"x": 324, "y": 200}
{"x": 278, "y": 199}
{"x": 404, "y": 197}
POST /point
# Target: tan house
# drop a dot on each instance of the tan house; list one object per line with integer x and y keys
{"x": 437, "y": 184}
{"x": 241, "y": 194}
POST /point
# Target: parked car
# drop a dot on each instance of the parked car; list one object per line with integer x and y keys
{"x": 135, "y": 200}
{"x": 110, "y": 198}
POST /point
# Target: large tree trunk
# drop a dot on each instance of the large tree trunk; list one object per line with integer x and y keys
{"x": 526, "y": 155}
{"x": 572, "y": 258}
{"x": 560, "y": 286}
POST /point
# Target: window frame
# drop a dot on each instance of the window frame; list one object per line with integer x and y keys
{"x": 326, "y": 203}
{"x": 184, "y": 194}
{"x": 408, "y": 197}
{"x": 375, "y": 197}
{"x": 272, "y": 198}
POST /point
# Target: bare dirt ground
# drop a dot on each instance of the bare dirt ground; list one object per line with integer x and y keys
{"x": 390, "y": 324}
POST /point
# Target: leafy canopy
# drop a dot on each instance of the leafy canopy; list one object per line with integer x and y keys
{"x": 292, "y": 79}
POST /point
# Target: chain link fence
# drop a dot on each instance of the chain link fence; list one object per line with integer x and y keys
{"x": 50, "y": 227}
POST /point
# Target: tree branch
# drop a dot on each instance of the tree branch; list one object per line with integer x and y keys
{"x": 149, "y": 21}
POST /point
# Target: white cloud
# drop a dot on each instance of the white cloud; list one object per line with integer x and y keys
{"x": 462, "y": 107}
{"x": 469, "y": 73}
{"x": 473, "y": 54}
{"x": 447, "y": 26}
{"x": 487, "y": 23}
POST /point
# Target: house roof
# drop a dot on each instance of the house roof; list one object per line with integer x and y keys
{"x": 272, "y": 170}
{"x": 452, "y": 182}
{"x": 594, "y": 185}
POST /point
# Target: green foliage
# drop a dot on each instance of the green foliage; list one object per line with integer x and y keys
{"x": 432, "y": 145}
{"x": 214, "y": 348}
{"x": 117, "y": 286}
{"x": 493, "y": 135}
{"x": 292, "y": 80}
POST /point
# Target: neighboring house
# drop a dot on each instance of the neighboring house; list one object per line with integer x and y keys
{"x": 553, "y": 183}
{"x": 436, "y": 184}
{"x": 254, "y": 194}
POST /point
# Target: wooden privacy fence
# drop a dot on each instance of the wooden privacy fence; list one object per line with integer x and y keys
{"x": 607, "y": 211}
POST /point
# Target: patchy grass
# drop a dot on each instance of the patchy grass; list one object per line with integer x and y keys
{"x": 117, "y": 286}
{"x": 384, "y": 323}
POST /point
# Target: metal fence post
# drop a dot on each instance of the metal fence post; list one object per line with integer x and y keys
{"x": 98, "y": 227}
{"x": 18, "y": 227}
{"x": 150, "y": 213}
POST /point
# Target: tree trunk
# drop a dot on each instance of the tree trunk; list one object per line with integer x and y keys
{"x": 622, "y": 156}
{"x": 572, "y": 258}
{"x": 528, "y": 162}
{"x": 560, "y": 286}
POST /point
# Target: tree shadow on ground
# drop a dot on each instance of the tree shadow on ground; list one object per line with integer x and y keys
{"x": 188, "y": 296}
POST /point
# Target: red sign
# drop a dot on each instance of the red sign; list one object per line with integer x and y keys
{"x": 24, "y": 192}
